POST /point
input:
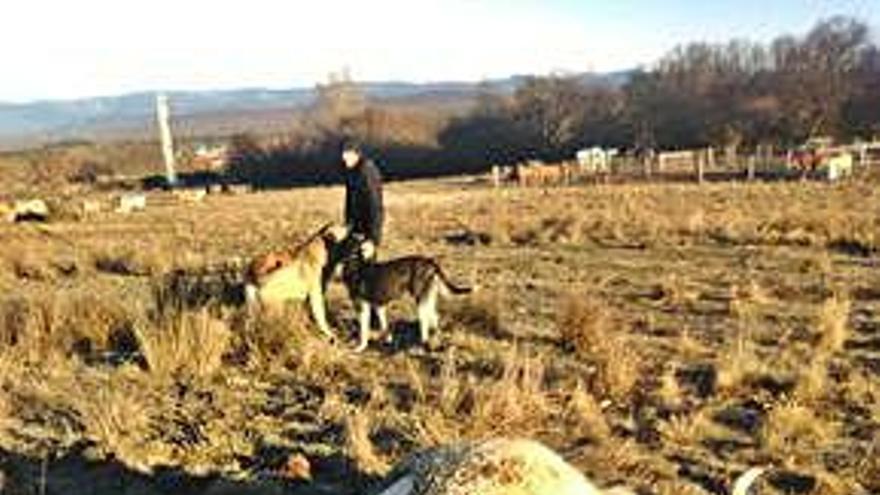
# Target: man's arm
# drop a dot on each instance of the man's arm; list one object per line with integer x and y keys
{"x": 374, "y": 188}
{"x": 349, "y": 203}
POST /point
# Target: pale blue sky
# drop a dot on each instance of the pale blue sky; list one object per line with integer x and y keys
{"x": 67, "y": 49}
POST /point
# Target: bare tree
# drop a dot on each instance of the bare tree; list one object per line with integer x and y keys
{"x": 341, "y": 103}
{"x": 549, "y": 110}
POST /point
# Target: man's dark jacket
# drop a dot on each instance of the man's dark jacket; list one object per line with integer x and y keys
{"x": 363, "y": 200}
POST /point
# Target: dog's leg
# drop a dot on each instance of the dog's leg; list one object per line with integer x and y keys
{"x": 432, "y": 305}
{"x": 385, "y": 331}
{"x": 319, "y": 312}
{"x": 424, "y": 319}
{"x": 364, "y": 319}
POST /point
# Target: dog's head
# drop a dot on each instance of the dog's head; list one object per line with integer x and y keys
{"x": 333, "y": 233}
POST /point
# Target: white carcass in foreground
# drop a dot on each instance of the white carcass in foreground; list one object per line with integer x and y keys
{"x": 502, "y": 467}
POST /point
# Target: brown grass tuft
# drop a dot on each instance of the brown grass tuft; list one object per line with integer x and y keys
{"x": 192, "y": 344}
{"x": 737, "y": 362}
{"x": 794, "y": 431}
{"x": 831, "y": 323}
{"x": 591, "y": 329}
{"x": 359, "y": 447}
{"x": 114, "y": 417}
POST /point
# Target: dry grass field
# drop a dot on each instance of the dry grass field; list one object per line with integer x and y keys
{"x": 665, "y": 337}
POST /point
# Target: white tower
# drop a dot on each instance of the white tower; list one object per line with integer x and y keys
{"x": 163, "y": 115}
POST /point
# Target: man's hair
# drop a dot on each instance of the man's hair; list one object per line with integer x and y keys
{"x": 352, "y": 145}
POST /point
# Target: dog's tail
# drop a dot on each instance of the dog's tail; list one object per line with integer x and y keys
{"x": 450, "y": 286}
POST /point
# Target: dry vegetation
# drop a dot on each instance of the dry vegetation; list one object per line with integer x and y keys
{"x": 667, "y": 337}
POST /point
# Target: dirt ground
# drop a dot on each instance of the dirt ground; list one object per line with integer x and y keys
{"x": 666, "y": 337}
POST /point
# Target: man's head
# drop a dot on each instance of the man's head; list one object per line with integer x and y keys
{"x": 351, "y": 154}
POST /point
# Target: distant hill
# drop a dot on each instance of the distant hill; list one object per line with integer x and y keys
{"x": 130, "y": 116}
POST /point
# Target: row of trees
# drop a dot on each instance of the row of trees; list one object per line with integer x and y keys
{"x": 726, "y": 95}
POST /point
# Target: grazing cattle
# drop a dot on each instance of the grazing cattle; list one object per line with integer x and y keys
{"x": 539, "y": 174}
{"x": 503, "y": 467}
{"x": 805, "y": 161}
{"x": 129, "y": 203}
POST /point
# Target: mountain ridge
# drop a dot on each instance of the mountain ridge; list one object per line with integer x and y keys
{"x": 46, "y": 121}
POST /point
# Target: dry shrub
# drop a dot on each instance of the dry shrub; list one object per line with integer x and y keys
{"x": 689, "y": 429}
{"x": 628, "y": 460}
{"x": 812, "y": 384}
{"x": 689, "y": 347}
{"x": 862, "y": 388}
{"x": 516, "y": 402}
{"x": 831, "y": 323}
{"x": 30, "y": 266}
{"x": 359, "y": 447}
{"x": 126, "y": 261}
{"x": 750, "y": 292}
{"x": 592, "y": 330}
{"x": 285, "y": 336}
{"x": 320, "y": 360}
{"x": 869, "y": 467}
{"x": 679, "y": 487}
{"x": 583, "y": 416}
{"x": 478, "y": 314}
{"x": 192, "y": 344}
{"x": 674, "y": 292}
{"x": 114, "y": 416}
{"x": 794, "y": 431}
{"x": 737, "y": 362}
{"x": 585, "y": 323}
{"x": 35, "y": 327}
{"x": 81, "y": 323}
{"x": 552, "y": 230}
{"x": 670, "y": 391}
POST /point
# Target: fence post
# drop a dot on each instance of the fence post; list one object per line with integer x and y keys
{"x": 750, "y": 170}
{"x": 496, "y": 176}
{"x": 701, "y": 165}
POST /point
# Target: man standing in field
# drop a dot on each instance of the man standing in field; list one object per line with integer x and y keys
{"x": 364, "y": 211}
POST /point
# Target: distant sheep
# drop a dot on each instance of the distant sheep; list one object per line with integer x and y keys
{"x": 31, "y": 210}
{"x": 129, "y": 203}
{"x": 191, "y": 195}
{"x": 91, "y": 206}
{"x": 538, "y": 174}
{"x": 236, "y": 189}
